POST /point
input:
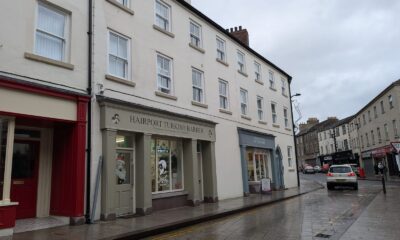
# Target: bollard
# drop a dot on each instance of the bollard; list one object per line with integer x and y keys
{"x": 383, "y": 184}
{"x": 382, "y": 169}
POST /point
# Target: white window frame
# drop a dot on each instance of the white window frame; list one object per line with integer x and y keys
{"x": 286, "y": 117}
{"x": 226, "y": 96}
{"x": 260, "y": 109}
{"x": 163, "y": 18}
{"x": 128, "y": 49}
{"x": 171, "y": 64}
{"x": 222, "y": 51}
{"x": 192, "y": 35}
{"x": 274, "y": 114}
{"x": 283, "y": 86}
{"x": 241, "y": 62}
{"x": 390, "y": 99}
{"x": 64, "y": 38}
{"x": 200, "y": 88}
{"x": 246, "y": 103}
{"x": 125, "y": 3}
{"x": 271, "y": 79}
{"x": 289, "y": 154}
{"x": 257, "y": 71}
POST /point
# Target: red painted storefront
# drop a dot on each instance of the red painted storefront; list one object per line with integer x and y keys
{"x": 68, "y": 156}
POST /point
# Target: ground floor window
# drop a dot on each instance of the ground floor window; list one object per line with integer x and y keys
{"x": 257, "y": 166}
{"x": 166, "y": 165}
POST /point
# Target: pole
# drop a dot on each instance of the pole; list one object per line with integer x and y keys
{"x": 294, "y": 135}
{"x": 383, "y": 184}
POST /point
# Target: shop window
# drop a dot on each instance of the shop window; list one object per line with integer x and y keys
{"x": 124, "y": 159}
{"x": 3, "y": 146}
{"x": 166, "y": 165}
{"x": 257, "y": 165}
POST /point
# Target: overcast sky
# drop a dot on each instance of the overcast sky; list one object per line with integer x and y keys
{"x": 340, "y": 53}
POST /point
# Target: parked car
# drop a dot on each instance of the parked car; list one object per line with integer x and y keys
{"x": 325, "y": 168}
{"x": 341, "y": 175}
{"x": 308, "y": 169}
{"x": 317, "y": 168}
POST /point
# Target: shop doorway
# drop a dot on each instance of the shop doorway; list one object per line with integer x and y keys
{"x": 124, "y": 170}
{"x": 200, "y": 169}
{"x": 24, "y": 177}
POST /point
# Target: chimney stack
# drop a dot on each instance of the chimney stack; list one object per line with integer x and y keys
{"x": 240, "y": 34}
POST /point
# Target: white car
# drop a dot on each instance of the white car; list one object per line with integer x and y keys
{"x": 341, "y": 175}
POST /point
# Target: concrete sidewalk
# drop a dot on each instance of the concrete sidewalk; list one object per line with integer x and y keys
{"x": 163, "y": 221}
{"x": 381, "y": 219}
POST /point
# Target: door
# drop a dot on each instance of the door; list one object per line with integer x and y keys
{"x": 124, "y": 173}
{"x": 24, "y": 177}
{"x": 200, "y": 171}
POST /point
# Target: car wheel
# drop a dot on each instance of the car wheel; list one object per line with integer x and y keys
{"x": 356, "y": 186}
{"x": 330, "y": 186}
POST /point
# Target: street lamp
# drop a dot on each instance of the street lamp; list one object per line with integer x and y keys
{"x": 294, "y": 136}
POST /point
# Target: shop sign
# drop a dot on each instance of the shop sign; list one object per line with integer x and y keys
{"x": 396, "y": 146}
{"x": 160, "y": 124}
{"x": 327, "y": 158}
{"x": 265, "y": 185}
{"x": 381, "y": 152}
{"x": 366, "y": 154}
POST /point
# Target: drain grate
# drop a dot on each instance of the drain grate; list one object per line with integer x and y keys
{"x": 321, "y": 235}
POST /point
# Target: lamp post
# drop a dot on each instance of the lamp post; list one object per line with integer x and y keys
{"x": 294, "y": 136}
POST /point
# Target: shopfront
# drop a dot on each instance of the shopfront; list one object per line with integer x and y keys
{"x": 154, "y": 159}
{"x": 42, "y": 153}
{"x": 368, "y": 163}
{"x": 260, "y": 160}
{"x": 386, "y": 155}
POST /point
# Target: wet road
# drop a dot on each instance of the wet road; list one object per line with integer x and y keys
{"x": 317, "y": 215}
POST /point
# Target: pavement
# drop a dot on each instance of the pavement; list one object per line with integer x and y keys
{"x": 167, "y": 220}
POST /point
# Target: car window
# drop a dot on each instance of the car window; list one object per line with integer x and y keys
{"x": 340, "y": 170}
{"x": 354, "y": 168}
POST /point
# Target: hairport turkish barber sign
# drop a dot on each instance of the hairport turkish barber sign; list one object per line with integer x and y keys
{"x": 396, "y": 146}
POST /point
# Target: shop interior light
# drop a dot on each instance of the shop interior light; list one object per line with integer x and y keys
{"x": 120, "y": 139}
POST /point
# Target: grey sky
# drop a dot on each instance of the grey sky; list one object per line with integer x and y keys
{"x": 340, "y": 53}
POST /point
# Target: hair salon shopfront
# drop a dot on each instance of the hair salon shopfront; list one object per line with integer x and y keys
{"x": 42, "y": 153}
{"x": 154, "y": 159}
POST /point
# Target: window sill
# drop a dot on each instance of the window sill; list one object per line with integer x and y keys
{"x": 225, "y": 111}
{"x": 262, "y": 122}
{"x": 49, "y": 61}
{"x": 120, "y": 80}
{"x": 121, "y": 6}
{"x": 169, "y": 194}
{"x": 273, "y": 89}
{"x": 288, "y": 129}
{"x": 276, "y": 126}
{"x": 198, "y": 104}
{"x": 197, "y": 48}
{"x": 244, "y": 74}
{"x": 286, "y": 96}
{"x": 259, "y": 82}
{"x": 222, "y": 62}
{"x": 170, "y": 34}
{"x": 246, "y": 117}
{"x": 165, "y": 95}
{"x": 292, "y": 170}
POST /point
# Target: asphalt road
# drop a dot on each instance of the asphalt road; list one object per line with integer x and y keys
{"x": 318, "y": 215}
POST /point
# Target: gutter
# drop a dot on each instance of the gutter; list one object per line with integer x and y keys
{"x": 89, "y": 120}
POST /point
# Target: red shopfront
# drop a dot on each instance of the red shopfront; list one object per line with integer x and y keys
{"x": 42, "y": 153}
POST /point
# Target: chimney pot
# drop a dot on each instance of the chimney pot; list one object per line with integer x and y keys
{"x": 240, "y": 28}
{"x": 236, "y": 29}
{"x": 231, "y": 29}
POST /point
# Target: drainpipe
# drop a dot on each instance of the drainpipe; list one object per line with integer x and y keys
{"x": 89, "y": 125}
{"x": 294, "y": 134}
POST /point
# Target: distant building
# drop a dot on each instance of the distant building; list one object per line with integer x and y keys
{"x": 307, "y": 140}
{"x": 375, "y": 129}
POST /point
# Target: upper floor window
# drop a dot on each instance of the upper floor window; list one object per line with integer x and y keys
{"x": 375, "y": 112}
{"x": 344, "y": 130}
{"x": 283, "y": 86}
{"x": 382, "y": 108}
{"x": 243, "y": 101}
{"x": 395, "y": 130}
{"x": 195, "y": 34}
{"x": 364, "y": 119}
{"x": 221, "y": 55}
{"x": 124, "y": 2}
{"x": 51, "y": 33}
{"x": 386, "y": 131}
{"x": 378, "y": 130}
{"x": 285, "y": 115}
{"x": 223, "y": 94}
{"x": 260, "y": 108}
{"x": 274, "y": 115}
{"x": 163, "y": 16}
{"x": 164, "y": 74}
{"x": 118, "y": 55}
{"x": 271, "y": 79}
{"x": 198, "y": 85}
{"x": 369, "y": 116}
{"x": 241, "y": 62}
{"x": 373, "y": 137}
{"x": 390, "y": 101}
{"x": 257, "y": 71}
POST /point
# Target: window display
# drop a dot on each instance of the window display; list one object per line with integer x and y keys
{"x": 123, "y": 159}
{"x": 257, "y": 166}
{"x": 166, "y": 165}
